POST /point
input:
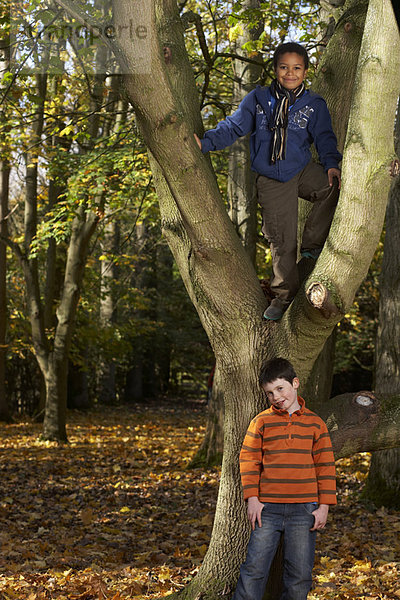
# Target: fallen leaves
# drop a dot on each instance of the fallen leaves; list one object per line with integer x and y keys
{"x": 116, "y": 515}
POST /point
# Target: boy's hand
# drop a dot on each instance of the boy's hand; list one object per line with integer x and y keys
{"x": 254, "y": 508}
{"x": 198, "y": 140}
{"x": 334, "y": 173}
{"x": 320, "y": 515}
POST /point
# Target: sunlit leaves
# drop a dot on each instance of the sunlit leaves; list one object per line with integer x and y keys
{"x": 95, "y": 517}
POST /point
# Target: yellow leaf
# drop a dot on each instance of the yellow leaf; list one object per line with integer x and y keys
{"x": 87, "y": 516}
{"x": 235, "y": 32}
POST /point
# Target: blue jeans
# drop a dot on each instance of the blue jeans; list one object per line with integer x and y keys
{"x": 294, "y": 521}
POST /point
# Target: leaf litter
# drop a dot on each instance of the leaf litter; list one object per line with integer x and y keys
{"x": 116, "y": 514}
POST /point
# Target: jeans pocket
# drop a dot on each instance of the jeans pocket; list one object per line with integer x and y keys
{"x": 309, "y": 507}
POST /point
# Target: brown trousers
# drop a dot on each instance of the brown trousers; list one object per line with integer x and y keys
{"x": 279, "y": 204}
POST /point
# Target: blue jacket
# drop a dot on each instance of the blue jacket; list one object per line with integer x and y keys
{"x": 309, "y": 121}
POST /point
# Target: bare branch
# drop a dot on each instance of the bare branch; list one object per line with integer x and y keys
{"x": 94, "y": 27}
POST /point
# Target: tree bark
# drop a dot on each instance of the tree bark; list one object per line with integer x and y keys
{"x": 106, "y": 368}
{"x": 4, "y": 188}
{"x": 241, "y": 179}
{"x": 163, "y": 349}
{"x": 211, "y": 450}
{"x": 383, "y": 482}
{"x": 362, "y": 422}
{"x": 56, "y": 366}
{"x": 4, "y": 195}
{"x": 334, "y": 80}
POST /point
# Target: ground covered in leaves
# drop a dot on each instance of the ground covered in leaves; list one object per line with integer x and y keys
{"x": 116, "y": 514}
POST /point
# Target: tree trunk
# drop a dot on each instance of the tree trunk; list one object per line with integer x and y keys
{"x": 241, "y": 179}
{"x": 211, "y": 450}
{"x": 106, "y": 369}
{"x": 362, "y": 422}
{"x": 4, "y": 190}
{"x": 137, "y": 379}
{"x": 4, "y": 187}
{"x": 164, "y": 280}
{"x": 383, "y": 482}
{"x": 334, "y": 81}
{"x": 114, "y": 119}
{"x": 55, "y": 369}
{"x": 55, "y": 376}
{"x": 4, "y": 194}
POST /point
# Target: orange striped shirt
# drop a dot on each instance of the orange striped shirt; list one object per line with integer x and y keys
{"x": 288, "y": 458}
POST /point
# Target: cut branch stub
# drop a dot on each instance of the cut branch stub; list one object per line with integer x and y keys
{"x": 365, "y": 399}
{"x": 319, "y": 297}
{"x": 365, "y": 404}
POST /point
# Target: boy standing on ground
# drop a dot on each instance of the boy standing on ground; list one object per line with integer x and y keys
{"x": 288, "y": 476}
{"x": 284, "y": 120}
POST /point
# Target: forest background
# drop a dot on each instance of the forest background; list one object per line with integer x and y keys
{"x": 93, "y": 310}
{"x": 67, "y": 133}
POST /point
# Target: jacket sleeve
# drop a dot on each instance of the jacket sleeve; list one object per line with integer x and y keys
{"x": 324, "y": 462}
{"x": 251, "y": 460}
{"x": 235, "y": 126}
{"x": 323, "y": 136}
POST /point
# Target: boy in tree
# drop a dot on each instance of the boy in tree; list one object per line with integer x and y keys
{"x": 288, "y": 476}
{"x": 284, "y": 120}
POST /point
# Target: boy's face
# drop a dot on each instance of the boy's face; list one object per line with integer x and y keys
{"x": 282, "y": 394}
{"x": 290, "y": 70}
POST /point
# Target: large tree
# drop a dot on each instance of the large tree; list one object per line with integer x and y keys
{"x": 216, "y": 270}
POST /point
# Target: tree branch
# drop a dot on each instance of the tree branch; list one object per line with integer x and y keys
{"x": 94, "y": 27}
{"x": 362, "y": 422}
{"x": 245, "y": 59}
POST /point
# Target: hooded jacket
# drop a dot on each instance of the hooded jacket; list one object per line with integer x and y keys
{"x": 309, "y": 122}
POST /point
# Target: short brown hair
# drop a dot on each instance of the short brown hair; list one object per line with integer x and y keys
{"x": 276, "y": 368}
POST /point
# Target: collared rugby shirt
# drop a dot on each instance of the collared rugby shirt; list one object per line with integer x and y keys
{"x": 288, "y": 458}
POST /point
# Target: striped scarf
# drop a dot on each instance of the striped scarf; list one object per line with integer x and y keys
{"x": 284, "y": 99}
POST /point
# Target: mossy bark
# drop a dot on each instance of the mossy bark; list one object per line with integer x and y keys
{"x": 334, "y": 80}
{"x": 383, "y": 482}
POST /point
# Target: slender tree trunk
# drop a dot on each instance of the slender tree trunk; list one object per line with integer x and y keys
{"x": 56, "y": 371}
{"x": 135, "y": 386}
{"x": 30, "y": 265}
{"x": 106, "y": 369}
{"x": 241, "y": 179}
{"x": 164, "y": 281}
{"x": 383, "y": 482}
{"x": 106, "y": 383}
{"x": 4, "y": 190}
{"x": 54, "y": 361}
{"x": 4, "y": 194}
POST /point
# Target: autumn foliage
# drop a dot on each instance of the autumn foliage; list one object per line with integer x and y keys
{"x": 117, "y": 514}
